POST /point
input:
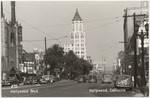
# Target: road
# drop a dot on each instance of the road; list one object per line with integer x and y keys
{"x": 66, "y": 88}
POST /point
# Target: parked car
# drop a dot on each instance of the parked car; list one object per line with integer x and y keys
{"x": 107, "y": 79}
{"x": 6, "y": 83}
{"x": 81, "y": 79}
{"x": 27, "y": 81}
{"x": 124, "y": 81}
{"x": 35, "y": 81}
{"x": 43, "y": 81}
{"x": 92, "y": 79}
{"x": 48, "y": 79}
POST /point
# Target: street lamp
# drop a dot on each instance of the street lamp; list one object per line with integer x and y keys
{"x": 142, "y": 35}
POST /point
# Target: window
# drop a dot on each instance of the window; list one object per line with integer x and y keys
{"x": 72, "y": 36}
{"x": 80, "y": 27}
{"x": 20, "y": 33}
{"x": 82, "y": 35}
{"x": 82, "y": 44}
{"x": 82, "y": 48}
{"x": 82, "y": 52}
{"x": 12, "y": 38}
{"x": 76, "y": 35}
{"x": 77, "y": 52}
{"x": 77, "y": 44}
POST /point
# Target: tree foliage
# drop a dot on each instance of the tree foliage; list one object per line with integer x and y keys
{"x": 54, "y": 56}
{"x": 76, "y": 66}
{"x": 69, "y": 63}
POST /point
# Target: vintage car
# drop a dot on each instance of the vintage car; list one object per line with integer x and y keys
{"x": 107, "y": 79}
{"x": 81, "y": 79}
{"x": 124, "y": 81}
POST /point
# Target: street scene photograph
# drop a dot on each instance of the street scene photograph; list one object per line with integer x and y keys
{"x": 75, "y": 48}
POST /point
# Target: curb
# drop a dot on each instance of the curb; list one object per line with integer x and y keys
{"x": 24, "y": 86}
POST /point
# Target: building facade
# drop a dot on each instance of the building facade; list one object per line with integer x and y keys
{"x": 131, "y": 63}
{"x": 78, "y": 43}
{"x": 11, "y": 48}
{"x": 32, "y": 63}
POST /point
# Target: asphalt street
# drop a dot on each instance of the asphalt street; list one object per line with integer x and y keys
{"x": 66, "y": 88}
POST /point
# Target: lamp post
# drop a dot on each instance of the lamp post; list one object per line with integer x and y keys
{"x": 142, "y": 35}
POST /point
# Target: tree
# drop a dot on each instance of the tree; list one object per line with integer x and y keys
{"x": 83, "y": 66}
{"x": 54, "y": 57}
{"x": 76, "y": 66}
{"x": 69, "y": 59}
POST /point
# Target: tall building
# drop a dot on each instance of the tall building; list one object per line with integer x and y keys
{"x": 11, "y": 48}
{"x": 78, "y": 43}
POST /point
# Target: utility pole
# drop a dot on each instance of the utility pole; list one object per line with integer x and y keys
{"x": 135, "y": 46}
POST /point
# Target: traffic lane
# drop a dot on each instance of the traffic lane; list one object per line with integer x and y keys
{"x": 29, "y": 90}
{"x": 109, "y": 90}
{"x": 73, "y": 90}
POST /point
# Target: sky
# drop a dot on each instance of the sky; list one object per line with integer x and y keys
{"x": 103, "y": 24}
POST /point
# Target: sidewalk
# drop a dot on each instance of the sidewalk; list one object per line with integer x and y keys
{"x": 25, "y": 86}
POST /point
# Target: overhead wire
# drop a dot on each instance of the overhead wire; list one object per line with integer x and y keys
{"x": 102, "y": 50}
{"x": 103, "y": 19}
{"x": 47, "y": 39}
{"x": 33, "y": 26}
{"x": 33, "y": 43}
{"x": 70, "y": 23}
{"x": 62, "y": 25}
{"x": 102, "y": 25}
{"x": 85, "y": 30}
